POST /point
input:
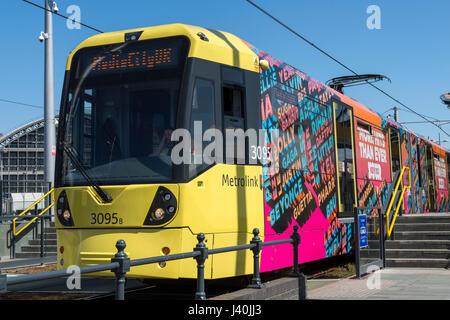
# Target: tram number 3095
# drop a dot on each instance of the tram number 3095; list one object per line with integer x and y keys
{"x": 105, "y": 218}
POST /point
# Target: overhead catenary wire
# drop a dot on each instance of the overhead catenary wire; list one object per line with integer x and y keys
{"x": 342, "y": 64}
{"x": 432, "y": 118}
{"x": 22, "y": 103}
{"x": 63, "y": 16}
{"x": 416, "y": 122}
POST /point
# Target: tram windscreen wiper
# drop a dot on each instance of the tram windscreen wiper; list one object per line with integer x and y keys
{"x": 105, "y": 197}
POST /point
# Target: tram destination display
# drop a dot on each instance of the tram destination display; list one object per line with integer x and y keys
{"x": 137, "y": 56}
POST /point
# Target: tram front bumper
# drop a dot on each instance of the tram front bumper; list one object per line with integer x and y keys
{"x": 88, "y": 247}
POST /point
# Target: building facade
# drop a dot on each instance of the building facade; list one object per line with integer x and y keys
{"x": 22, "y": 160}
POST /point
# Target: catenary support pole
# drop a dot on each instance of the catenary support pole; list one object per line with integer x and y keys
{"x": 49, "y": 98}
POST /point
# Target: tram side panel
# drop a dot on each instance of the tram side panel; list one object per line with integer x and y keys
{"x": 414, "y": 192}
{"x": 405, "y": 160}
{"x": 440, "y": 176}
{"x": 301, "y": 188}
{"x": 429, "y": 192}
{"x": 423, "y": 190}
{"x": 373, "y": 164}
{"x": 447, "y": 156}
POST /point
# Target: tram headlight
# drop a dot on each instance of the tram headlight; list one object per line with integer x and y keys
{"x": 66, "y": 215}
{"x": 63, "y": 210}
{"x": 158, "y": 214}
{"x": 162, "y": 209}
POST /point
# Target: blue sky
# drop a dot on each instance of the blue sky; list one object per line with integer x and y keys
{"x": 411, "y": 48}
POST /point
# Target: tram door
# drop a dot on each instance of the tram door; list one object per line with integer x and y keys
{"x": 396, "y": 163}
{"x": 394, "y": 140}
{"x": 430, "y": 177}
{"x": 448, "y": 179}
{"x": 345, "y": 159}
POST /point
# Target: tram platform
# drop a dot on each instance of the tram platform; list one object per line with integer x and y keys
{"x": 385, "y": 284}
{"x": 389, "y": 284}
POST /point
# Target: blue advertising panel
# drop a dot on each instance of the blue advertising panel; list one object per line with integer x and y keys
{"x": 363, "y": 241}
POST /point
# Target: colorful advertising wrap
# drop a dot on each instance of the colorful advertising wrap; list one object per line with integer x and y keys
{"x": 372, "y": 158}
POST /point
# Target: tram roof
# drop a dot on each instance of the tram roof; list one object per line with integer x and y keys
{"x": 225, "y": 48}
{"x": 221, "y": 47}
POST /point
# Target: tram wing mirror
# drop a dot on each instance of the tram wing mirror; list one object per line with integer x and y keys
{"x": 264, "y": 64}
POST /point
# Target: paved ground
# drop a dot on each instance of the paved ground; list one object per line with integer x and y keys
{"x": 389, "y": 284}
{"x": 6, "y": 263}
{"x": 89, "y": 286}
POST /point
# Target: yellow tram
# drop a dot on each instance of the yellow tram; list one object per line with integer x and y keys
{"x": 123, "y": 92}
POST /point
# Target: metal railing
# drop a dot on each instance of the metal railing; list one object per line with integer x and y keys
{"x": 34, "y": 205}
{"x": 121, "y": 264}
{"x": 24, "y": 222}
{"x": 389, "y": 223}
{"x": 362, "y": 269}
{"x": 39, "y": 223}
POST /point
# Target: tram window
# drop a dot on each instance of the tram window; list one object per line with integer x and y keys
{"x": 395, "y": 152}
{"x": 203, "y": 104}
{"x": 151, "y": 126}
{"x": 429, "y": 164}
{"x": 419, "y": 169}
{"x": 345, "y": 159}
{"x": 87, "y": 128}
{"x": 448, "y": 172}
{"x": 430, "y": 176}
{"x": 233, "y": 118}
{"x": 203, "y": 112}
{"x": 364, "y": 126}
{"x": 109, "y": 143}
{"x": 233, "y": 107}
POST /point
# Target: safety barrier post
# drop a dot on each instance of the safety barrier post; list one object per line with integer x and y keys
{"x": 201, "y": 247}
{"x": 3, "y": 283}
{"x": 256, "y": 281}
{"x": 35, "y": 229}
{"x": 357, "y": 247}
{"x": 382, "y": 239}
{"x": 301, "y": 277}
{"x": 295, "y": 243}
{"x": 42, "y": 236}
{"x": 124, "y": 267}
{"x": 12, "y": 242}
